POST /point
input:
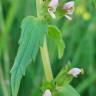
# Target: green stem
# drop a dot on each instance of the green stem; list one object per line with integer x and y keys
{"x": 46, "y": 62}
{"x": 39, "y": 7}
{"x": 44, "y": 49}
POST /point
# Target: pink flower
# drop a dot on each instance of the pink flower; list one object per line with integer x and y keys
{"x": 47, "y": 93}
{"x": 52, "y": 8}
{"x": 69, "y": 5}
{"x": 69, "y": 8}
{"x": 75, "y": 72}
{"x": 53, "y": 3}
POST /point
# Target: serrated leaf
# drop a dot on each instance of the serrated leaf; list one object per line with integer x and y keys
{"x": 68, "y": 90}
{"x": 56, "y": 35}
{"x": 32, "y": 37}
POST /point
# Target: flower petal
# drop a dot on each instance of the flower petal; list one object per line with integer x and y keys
{"x": 52, "y": 14}
{"x": 47, "y": 93}
{"x": 53, "y": 3}
{"x": 68, "y": 5}
{"x": 74, "y": 72}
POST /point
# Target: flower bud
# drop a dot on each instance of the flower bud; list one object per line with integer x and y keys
{"x": 68, "y": 5}
{"x": 69, "y": 8}
{"x": 52, "y": 8}
{"x": 53, "y": 4}
{"x": 47, "y": 93}
{"x": 75, "y": 72}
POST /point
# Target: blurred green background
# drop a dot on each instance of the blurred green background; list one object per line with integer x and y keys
{"x": 79, "y": 37}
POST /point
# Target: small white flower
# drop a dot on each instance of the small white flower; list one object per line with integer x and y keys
{"x": 75, "y": 72}
{"x": 52, "y": 14}
{"x": 52, "y": 8}
{"x": 47, "y": 93}
{"x": 69, "y": 8}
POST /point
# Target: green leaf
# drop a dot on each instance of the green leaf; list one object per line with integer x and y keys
{"x": 60, "y": 48}
{"x": 54, "y": 32}
{"x": 67, "y": 90}
{"x": 56, "y": 35}
{"x": 32, "y": 37}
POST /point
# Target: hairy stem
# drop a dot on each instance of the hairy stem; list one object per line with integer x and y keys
{"x": 44, "y": 49}
{"x": 39, "y": 6}
{"x": 46, "y": 62}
